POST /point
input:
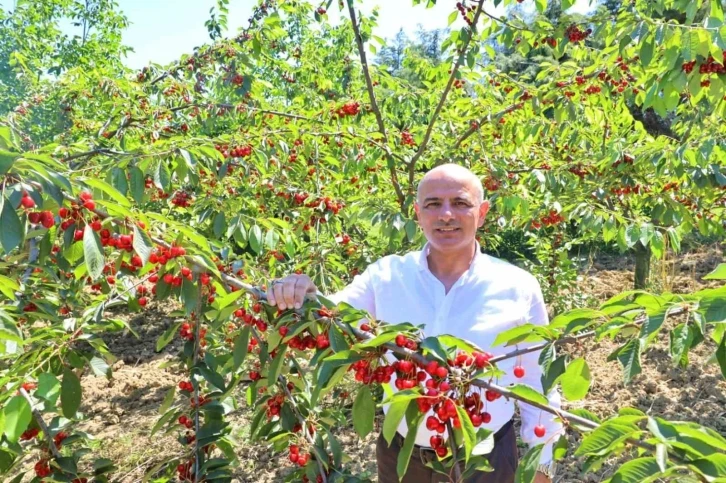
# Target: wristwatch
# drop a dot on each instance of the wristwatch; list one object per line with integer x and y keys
{"x": 548, "y": 469}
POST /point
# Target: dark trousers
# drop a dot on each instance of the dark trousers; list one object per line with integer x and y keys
{"x": 503, "y": 459}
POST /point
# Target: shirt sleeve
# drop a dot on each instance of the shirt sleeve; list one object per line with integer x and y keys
{"x": 530, "y": 415}
{"x": 359, "y": 293}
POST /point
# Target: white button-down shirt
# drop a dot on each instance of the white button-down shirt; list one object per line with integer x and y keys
{"x": 490, "y": 297}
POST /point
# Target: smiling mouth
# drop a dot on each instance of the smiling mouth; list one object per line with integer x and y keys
{"x": 447, "y": 230}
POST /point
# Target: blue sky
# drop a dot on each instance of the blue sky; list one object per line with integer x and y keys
{"x": 162, "y": 30}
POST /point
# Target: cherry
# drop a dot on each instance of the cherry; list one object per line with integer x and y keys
{"x": 143, "y": 301}
{"x": 486, "y": 418}
{"x": 27, "y": 201}
{"x": 539, "y": 431}
{"x": 283, "y": 330}
{"x": 519, "y": 372}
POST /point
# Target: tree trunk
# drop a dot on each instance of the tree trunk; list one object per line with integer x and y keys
{"x": 642, "y": 265}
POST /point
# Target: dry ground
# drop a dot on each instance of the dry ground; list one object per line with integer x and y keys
{"x": 121, "y": 411}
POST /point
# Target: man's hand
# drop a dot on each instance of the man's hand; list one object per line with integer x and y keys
{"x": 541, "y": 478}
{"x": 290, "y": 291}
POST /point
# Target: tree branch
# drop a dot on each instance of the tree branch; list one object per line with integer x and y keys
{"x": 374, "y": 105}
{"x": 43, "y": 427}
{"x": 437, "y": 111}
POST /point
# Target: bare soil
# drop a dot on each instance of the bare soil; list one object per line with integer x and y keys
{"x": 121, "y": 411}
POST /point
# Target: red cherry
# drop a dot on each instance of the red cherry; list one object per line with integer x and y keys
{"x": 27, "y": 202}
{"x": 539, "y": 431}
{"x": 89, "y": 205}
{"x": 486, "y": 418}
{"x": 519, "y": 372}
{"x": 143, "y": 301}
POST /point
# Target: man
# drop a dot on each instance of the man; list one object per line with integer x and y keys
{"x": 454, "y": 289}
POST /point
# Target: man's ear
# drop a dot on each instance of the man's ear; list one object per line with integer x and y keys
{"x": 483, "y": 210}
{"x": 416, "y": 208}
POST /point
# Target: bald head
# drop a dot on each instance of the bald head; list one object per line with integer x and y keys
{"x": 453, "y": 172}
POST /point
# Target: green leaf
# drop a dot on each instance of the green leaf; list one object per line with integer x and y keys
{"x": 48, "y": 388}
{"x": 721, "y": 355}
{"x": 168, "y": 399}
{"x": 529, "y": 394}
{"x": 6, "y": 160}
{"x": 576, "y": 380}
{"x": 364, "y": 412}
{"x": 276, "y": 365}
{"x": 8, "y": 287}
{"x": 541, "y": 5}
{"x": 13, "y": 231}
{"x": 468, "y": 432}
{"x": 393, "y": 418}
{"x": 567, "y": 4}
{"x": 190, "y": 295}
{"x": 136, "y": 181}
{"x": 377, "y": 341}
{"x": 70, "y": 394}
{"x": 167, "y": 336}
{"x": 527, "y": 468}
{"x": 712, "y": 465}
{"x": 219, "y": 225}
{"x": 240, "y": 348}
{"x": 718, "y": 274}
{"x": 142, "y": 244}
{"x": 108, "y": 190}
{"x": 93, "y": 253}
{"x": 452, "y": 18}
{"x": 601, "y": 438}
{"x": 629, "y": 357}
{"x": 646, "y": 51}
{"x": 17, "y": 415}
{"x": 162, "y": 176}
{"x": 636, "y": 471}
{"x": 404, "y": 457}
{"x": 162, "y": 421}
{"x": 99, "y": 366}
{"x": 255, "y": 239}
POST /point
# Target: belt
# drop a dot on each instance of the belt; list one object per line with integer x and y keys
{"x": 426, "y": 454}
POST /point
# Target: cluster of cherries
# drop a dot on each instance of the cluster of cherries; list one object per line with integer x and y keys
{"x": 464, "y": 11}
{"x": 297, "y": 458}
{"x": 186, "y": 332}
{"x": 274, "y": 405}
{"x": 182, "y": 199}
{"x": 350, "y": 108}
{"x": 235, "y": 152}
{"x": 627, "y": 190}
{"x": 626, "y": 159}
{"x": 575, "y": 34}
{"x": 550, "y": 219}
{"x": 407, "y": 139}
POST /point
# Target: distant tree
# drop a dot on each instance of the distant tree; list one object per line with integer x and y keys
{"x": 27, "y": 57}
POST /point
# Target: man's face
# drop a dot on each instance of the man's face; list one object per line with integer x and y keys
{"x": 449, "y": 212}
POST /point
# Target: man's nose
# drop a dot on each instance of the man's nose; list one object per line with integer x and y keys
{"x": 446, "y": 214}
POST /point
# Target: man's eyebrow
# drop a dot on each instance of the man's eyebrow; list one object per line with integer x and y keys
{"x": 457, "y": 198}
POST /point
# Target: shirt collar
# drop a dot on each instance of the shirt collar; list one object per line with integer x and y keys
{"x": 423, "y": 263}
